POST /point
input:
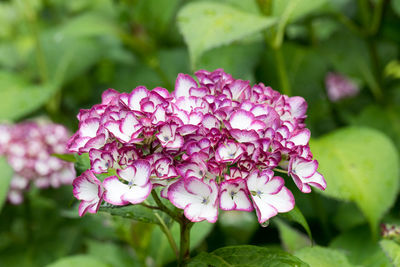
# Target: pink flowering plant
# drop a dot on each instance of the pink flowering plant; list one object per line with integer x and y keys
{"x": 30, "y": 149}
{"x": 214, "y": 143}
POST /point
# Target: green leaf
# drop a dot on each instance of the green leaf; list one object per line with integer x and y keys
{"x": 392, "y": 69}
{"x": 82, "y": 163}
{"x": 297, "y": 216}
{"x": 359, "y": 165}
{"x": 291, "y": 238}
{"x": 20, "y": 98}
{"x": 361, "y": 248}
{"x": 156, "y": 15}
{"x": 245, "y": 256}
{"x": 66, "y": 157}
{"x": 392, "y": 250}
{"x": 88, "y": 24}
{"x": 207, "y": 25}
{"x": 347, "y": 216}
{"x": 78, "y": 260}
{"x": 296, "y": 9}
{"x": 396, "y": 6}
{"x": 323, "y": 257}
{"x": 135, "y": 212}
{"x": 5, "y": 179}
{"x": 72, "y": 48}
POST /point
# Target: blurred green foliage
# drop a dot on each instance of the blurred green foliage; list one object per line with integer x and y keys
{"x": 57, "y": 57}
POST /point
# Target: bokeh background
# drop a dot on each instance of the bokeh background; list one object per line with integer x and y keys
{"x": 58, "y": 56}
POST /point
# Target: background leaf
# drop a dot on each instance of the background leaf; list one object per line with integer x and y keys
{"x": 207, "y": 25}
{"x": 291, "y": 238}
{"x": 392, "y": 250}
{"x": 79, "y": 260}
{"x": 323, "y": 257}
{"x": 360, "y": 248}
{"x": 22, "y": 97}
{"x": 360, "y": 165}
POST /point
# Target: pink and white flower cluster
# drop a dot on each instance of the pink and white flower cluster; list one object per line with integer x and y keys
{"x": 339, "y": 87}
{"x": 212, "y": 144}
{"x": 28, "y": 147}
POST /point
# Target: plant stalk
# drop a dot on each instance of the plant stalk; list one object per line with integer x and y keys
{"x": 168, "y": 234}
{"x": 165, "y": 208}
{"x": 282, "y": 73}
{"x": 184, "y": 253}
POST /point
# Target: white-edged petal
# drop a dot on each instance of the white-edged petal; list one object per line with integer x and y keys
{"x": 137, "y": 194}
{"x": 114, "y": 191}
{"x": 183, "y": 84}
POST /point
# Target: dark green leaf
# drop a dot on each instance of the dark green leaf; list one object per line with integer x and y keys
{"x": 135, "y": 212}
{"x": 297, "y": 216}
{"x": 248, "y": 256}
{"x": 82, "y": 163}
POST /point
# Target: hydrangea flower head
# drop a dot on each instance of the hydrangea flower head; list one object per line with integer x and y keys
{"x": 340, "y": 87}
{"x": 213, "y": 143}
{"x": 28, "y": 147}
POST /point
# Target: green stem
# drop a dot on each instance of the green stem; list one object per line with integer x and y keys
{"x": 283, "y": 77}
{"x": 283, "y": 22}
{"x": 164, "y": 208}
{"x": 145, "y": 204}
{"x": 184, "y": 253}
{"x": 375, "y": 86}
{"x": 364, "y": 12}
{"x": 377, "y": 17}
{"x": 281, "y": 171}
{"x": 168, "y": 234}
{"x": 349, "y": 24}
{"x": 40, "y": 58}
{"x": 265, "y": 6}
